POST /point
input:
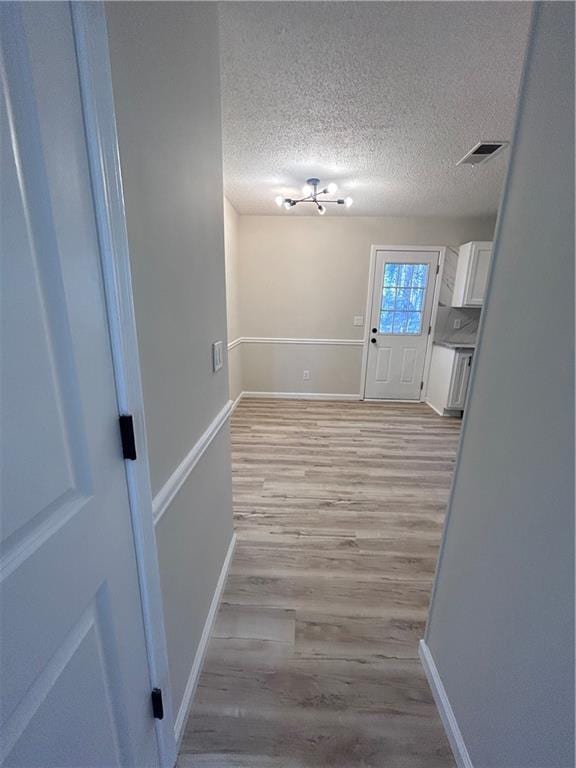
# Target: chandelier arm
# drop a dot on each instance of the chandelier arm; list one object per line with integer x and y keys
{"x": 313, "y": 197}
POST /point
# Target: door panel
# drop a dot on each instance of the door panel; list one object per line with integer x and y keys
{"x": 73, "y": 662}
{"x": 400, "y": 317}
{"x": 383, "y": 364}
{"x": 408, "y": 368}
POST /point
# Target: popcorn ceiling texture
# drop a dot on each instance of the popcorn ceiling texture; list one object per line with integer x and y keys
{"x": 382, "y": 97}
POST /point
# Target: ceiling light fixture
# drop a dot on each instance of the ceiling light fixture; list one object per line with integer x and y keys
{"x": 311, "y": 191}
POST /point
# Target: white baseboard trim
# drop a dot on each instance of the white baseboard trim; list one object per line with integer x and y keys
{"x": 235, "y": 403}
{"x": 235, "y": 343}
{"x": 163, "y": 498}
{"x": 429, "y": 404}
{"x": 300, "y": 396}
{"x": 444, "y": 708}
{"x": 194, "y": 676}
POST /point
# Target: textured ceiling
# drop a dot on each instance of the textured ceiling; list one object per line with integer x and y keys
{"x": 382, "y": 97}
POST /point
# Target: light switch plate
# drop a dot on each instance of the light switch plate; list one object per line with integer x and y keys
{"x": 359, "y": 320}
{"x": 306, "y": 375}
{"x": 457, "y": 323}
{"x": 217, "y": 356}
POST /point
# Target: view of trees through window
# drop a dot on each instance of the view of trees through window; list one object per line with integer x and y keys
{"x": 403, "y": 293}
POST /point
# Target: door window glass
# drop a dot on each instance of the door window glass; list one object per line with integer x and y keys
{"x": 403, "y": 294}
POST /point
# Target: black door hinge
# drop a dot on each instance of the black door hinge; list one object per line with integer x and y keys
{"x": 127, "y": 436}
{"x": 437, "y": 268}
{"x": 157, "y": 704}
{"x": 421, "y": 386}
{"x": 429, "y": 330}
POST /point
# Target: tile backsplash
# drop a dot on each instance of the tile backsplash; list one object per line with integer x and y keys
{"x": 467, "y": 317}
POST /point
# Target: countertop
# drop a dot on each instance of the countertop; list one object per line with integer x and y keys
{"x": 454, "y": 345}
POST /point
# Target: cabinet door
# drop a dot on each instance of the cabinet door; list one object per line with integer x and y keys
{"x": 477, "y": 276}
{"x": 460, "y": 378}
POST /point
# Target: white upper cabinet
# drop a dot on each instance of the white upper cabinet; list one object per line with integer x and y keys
{"x": 472, "y": 274}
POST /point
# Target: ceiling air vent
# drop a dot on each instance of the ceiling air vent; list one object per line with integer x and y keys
{"x": 482, "y": 152}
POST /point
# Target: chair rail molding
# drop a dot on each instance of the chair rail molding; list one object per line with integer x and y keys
{"x": 284, "y": 340}
{"x": 166, "y": 494}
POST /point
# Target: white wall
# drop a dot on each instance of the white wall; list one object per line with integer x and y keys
{"x": 306, "y": 278}
{"x": 165, "y": 69}
{"x": 501, "y": 627}
{"x": 231, "y": 240}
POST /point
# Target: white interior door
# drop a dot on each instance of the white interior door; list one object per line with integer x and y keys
{"x": 73, "y": 663}
{"x": 403, "y": 290}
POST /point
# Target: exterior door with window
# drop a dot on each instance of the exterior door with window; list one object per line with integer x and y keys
{"x": 399, "y": 321}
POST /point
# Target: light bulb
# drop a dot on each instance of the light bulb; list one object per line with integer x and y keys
{"x": 321, "y": 210}
{"x": 279, "y": 201}
{"x": 331, "y": 188}
{"x": 287, "y": 204}
{"x": 348, "y": 202}
{"x": 307, "y": 190}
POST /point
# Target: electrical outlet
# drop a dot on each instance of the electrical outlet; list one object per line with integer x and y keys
{"x": 305, "y": 375}
{"x": 457, "y": 323}
{"x": 217, "y": 357}
{"x": 359, "y": 320}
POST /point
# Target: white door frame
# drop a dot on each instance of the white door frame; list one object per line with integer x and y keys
{"x": 91, "y": 38}
{"x": 441, "y": 251}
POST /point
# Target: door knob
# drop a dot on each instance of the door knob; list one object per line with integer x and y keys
{"x": 373, "y": 341}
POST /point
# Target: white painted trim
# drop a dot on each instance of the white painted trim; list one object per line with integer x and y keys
{"x": 368, "y": 318}
{"x": 194, "y": 676}
{"x": 166, "y": 494}
{"x": 91, "y": 40}
{"x": 236, "y": 402}
{"x": 406, "y": 401}
{"x": 440, "y": 413}
{"x": 300, "y": 396}
{"x": 449, "y": 721}
{"x": 274, "y": 340}
{"x": 441, "y": 251}
{"x": 435, "y": 300}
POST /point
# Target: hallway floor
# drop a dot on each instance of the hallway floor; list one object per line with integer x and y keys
{"x": 338, "y": 511}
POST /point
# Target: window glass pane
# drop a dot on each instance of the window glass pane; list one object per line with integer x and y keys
{"x": 403, "y": 294}
{"x": 400, "y": 322}
{"x": 386, "y": 322}
{"x": 403, "y": 298}
{"x": 416, "y": 299}
{"x": 414, "y": 322}
{"x": 391, "y": 274}
{"x": 388, "y": 297}
{"x": 403, "y": 275}
{"x": 409, "y": 275}
{"x": 419, "y": 275}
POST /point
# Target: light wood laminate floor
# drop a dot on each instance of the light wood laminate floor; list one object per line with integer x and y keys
{"x": 338, "y": 510}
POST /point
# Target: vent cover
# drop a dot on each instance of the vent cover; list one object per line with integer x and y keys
{"x": 482, "y": 152}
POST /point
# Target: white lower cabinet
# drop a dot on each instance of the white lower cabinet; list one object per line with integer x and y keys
{"x": 460, "y": 378}
{"x": 448, "y": 378}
